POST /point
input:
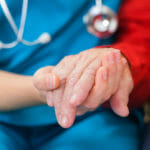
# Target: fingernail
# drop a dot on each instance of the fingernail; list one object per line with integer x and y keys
{"x": 104, "y": 74}
{"x": 63, "y": 120}
{"x": 125, "y": 111}
{"x": 111, "y": 58}
{"x": 73, "y": 99}
{"x": 117, "y": 56}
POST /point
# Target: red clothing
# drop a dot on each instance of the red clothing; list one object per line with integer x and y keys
{"x": 133, "y": 40}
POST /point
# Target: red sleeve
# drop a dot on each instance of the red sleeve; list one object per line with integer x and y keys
{"x": 133, "y": 40}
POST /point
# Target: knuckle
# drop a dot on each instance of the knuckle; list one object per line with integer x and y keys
{"x": 67, "y": 61}
{"x": 72, "y": 79}
{"x": 91, "y": 71}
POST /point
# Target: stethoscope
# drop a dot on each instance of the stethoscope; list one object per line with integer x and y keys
{"x": 100, "y": 21}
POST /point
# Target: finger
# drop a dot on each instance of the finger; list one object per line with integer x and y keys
{"x": 104, "y": 89}
{"x": 45, "y": 80}
{"x": 120, "y": 66}
{"x": 67, "y": 117}
{"x": 110, "y": 63}
{"x": 65, "y": 67}
{"x": 85, "y": 83}
{"x": 119, "y": 101}
{"x": 96, "y": 96}
{"x": 83, "y": 61}
{"x": 100, "y": 91}
{"x": 65, "y": 113}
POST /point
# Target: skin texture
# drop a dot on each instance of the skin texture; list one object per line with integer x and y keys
{"x": 17, "y": 91}
{"x": 86, "y": 81}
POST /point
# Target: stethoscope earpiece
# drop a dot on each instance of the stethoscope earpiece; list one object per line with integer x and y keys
{"x": 101, "y": 21}
{"x": 44, "y": 38}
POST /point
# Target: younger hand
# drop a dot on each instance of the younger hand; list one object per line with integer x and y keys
{"x": 45, "y": 81}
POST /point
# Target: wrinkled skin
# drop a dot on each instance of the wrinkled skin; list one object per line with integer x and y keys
{"x": 82, "y": 82}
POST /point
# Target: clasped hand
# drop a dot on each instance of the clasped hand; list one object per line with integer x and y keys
{"x": 83, "y": 82}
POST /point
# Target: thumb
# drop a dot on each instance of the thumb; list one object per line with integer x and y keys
{"x": 43, "y": 79}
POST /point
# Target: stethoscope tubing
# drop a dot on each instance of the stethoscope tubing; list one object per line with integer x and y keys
{"x": 46, "y": 37}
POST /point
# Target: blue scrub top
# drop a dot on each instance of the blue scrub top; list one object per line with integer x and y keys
{"x": 63, "y": 21}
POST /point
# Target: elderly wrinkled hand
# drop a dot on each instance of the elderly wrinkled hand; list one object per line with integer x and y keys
{"x": 86, "y": 81}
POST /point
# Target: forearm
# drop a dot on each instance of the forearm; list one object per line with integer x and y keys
{"x": 17, "y": 91}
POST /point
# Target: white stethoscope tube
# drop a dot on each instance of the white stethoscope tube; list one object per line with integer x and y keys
{"x": 42, "y": 39}
{"x": 102, "y": 28}
{"x": 99, "y": 3}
